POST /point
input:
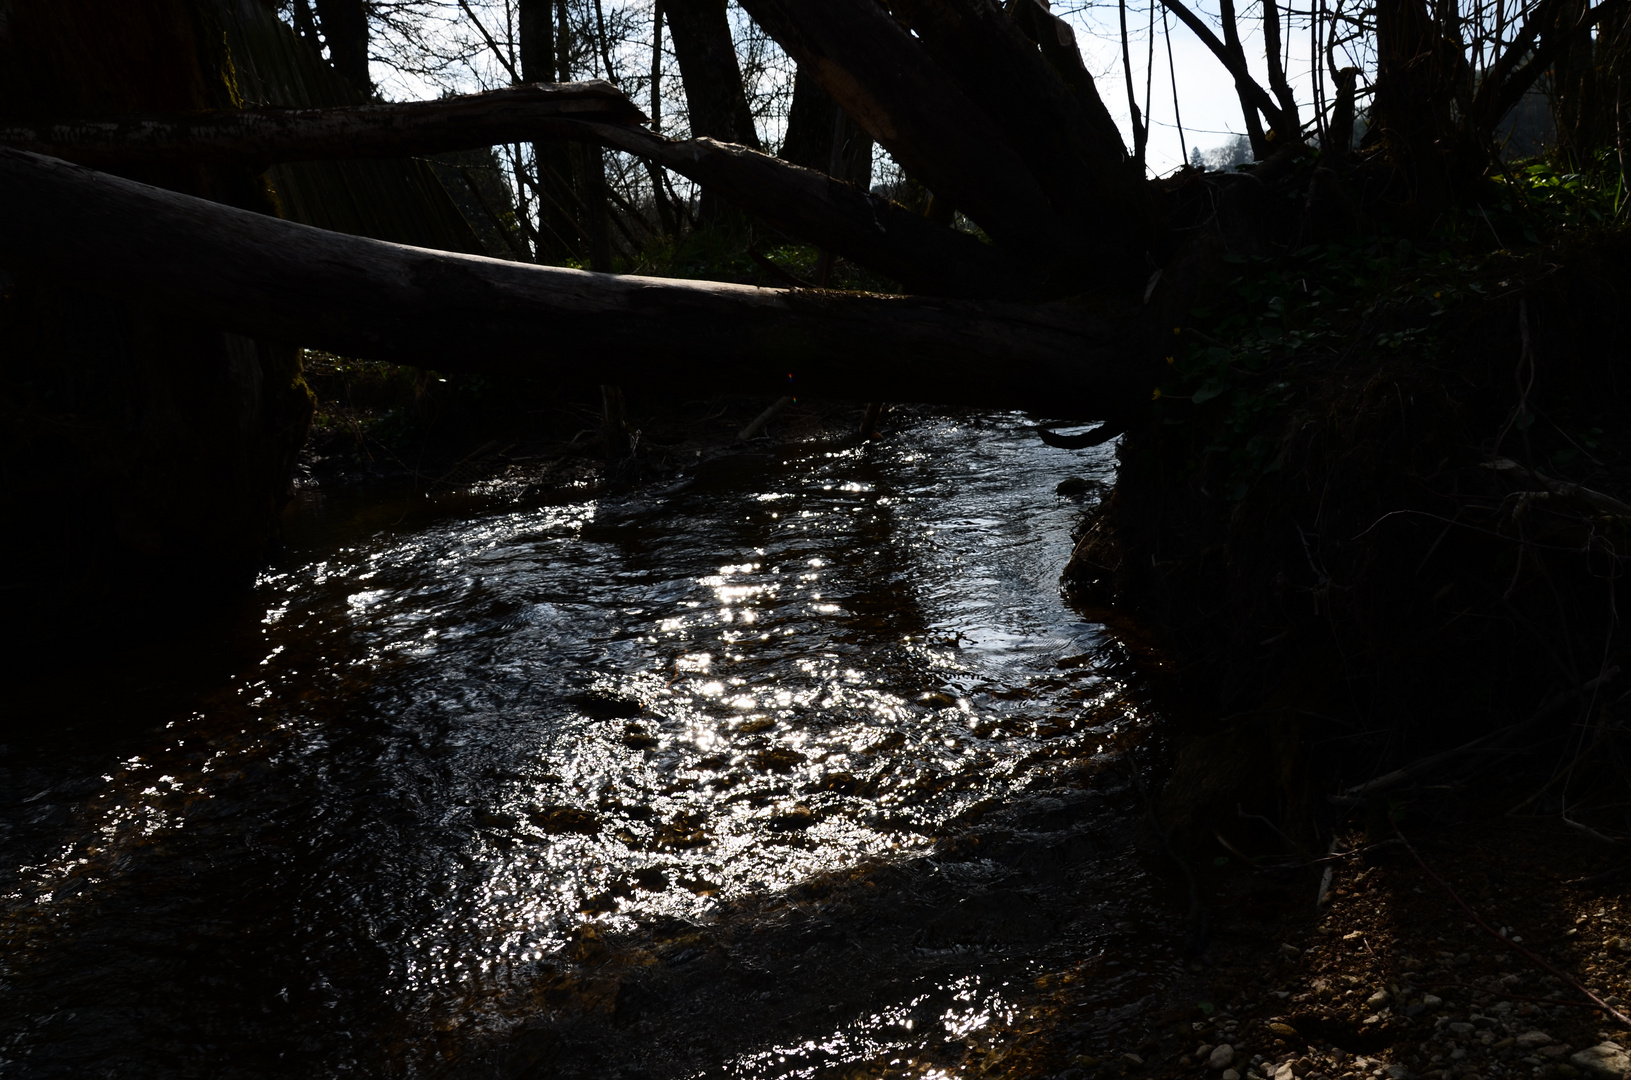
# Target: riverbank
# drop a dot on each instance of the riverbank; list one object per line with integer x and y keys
{"x": 1377, "y": 520}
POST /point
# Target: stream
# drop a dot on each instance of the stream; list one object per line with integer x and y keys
{"x": 798, "y": 766}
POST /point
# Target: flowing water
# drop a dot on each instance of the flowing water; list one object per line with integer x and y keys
{"x": 692, "y": 781}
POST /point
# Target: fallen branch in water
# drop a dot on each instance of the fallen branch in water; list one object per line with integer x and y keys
{"x": 757, "y": 424}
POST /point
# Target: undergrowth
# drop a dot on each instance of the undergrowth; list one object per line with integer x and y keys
{"x": 1243, "y": 358}
{"x": 1377, "y": 512}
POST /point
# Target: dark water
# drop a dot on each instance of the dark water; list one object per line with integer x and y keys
{"x": 361, "y": 830}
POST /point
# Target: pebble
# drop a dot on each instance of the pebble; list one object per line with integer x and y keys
{"x": 1221, "y": 1057}
{"x": 1377, "y": 1000}
{"x": 1290, "y": 951}
{"x": 1132, "y": 1059}
{"x": 1397, "y": 1072}
{"x": 1531, "y": 1039}
{"x": 1605, "y": 1061}
{"x": 1231, "y": 1074}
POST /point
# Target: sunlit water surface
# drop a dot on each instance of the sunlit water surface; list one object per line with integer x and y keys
{"x": 467, "y": 731}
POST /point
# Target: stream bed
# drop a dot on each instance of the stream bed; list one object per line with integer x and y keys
{"x": 796, "y": 766}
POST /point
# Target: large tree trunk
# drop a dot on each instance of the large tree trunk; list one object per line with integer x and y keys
{"x": 870, "y": 230}
{"x": 924, "y": 114}
{"x": 558, "y": 236}
{"x": 1066, "y": 138}
{"x": 1411, "y": 110}
{"x": 254, "y": 274}
{"x": 345, "y": 29}
{"x": 145, "y": 459}
{"x": 821, "y": 137}
{"x": 714, "y": 95}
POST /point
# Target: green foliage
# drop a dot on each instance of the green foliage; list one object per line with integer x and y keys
{"x": 1547, "y": 196}
{"x": 1247, "y": 357}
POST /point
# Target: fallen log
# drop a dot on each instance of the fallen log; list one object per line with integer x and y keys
{"x": 262, "y": 137}
{"x": 865, "y": 228}
{"x": 220, "y": 266}
{"x": 868, "y": 229}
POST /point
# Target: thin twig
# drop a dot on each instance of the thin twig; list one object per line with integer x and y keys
{"x": 1508, "y": 942}
{"x": 515, "y": 76}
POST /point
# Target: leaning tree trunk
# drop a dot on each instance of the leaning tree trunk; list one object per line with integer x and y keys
{"x": 144, "y": 458}
{"x": 821, "y": 137}
{"x": 970, "y": 106}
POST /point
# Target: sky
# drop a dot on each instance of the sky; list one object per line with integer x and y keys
{"x": 1206, "y": 95}
{"x": 1207, "y": 102}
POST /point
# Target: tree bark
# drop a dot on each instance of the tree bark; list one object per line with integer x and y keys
{"x": 552, "y": 162}
{"x": 714, "y": 94}
{"x": 814, "y": 124}
{"x": 867, "y": 229}
{"x": 345, "y": 29}
{"x": 882, "y": 77}
{"x": 254, "y": 274}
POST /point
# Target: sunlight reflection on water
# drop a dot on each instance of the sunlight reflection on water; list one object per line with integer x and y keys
{"x": 465, "y": 740}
